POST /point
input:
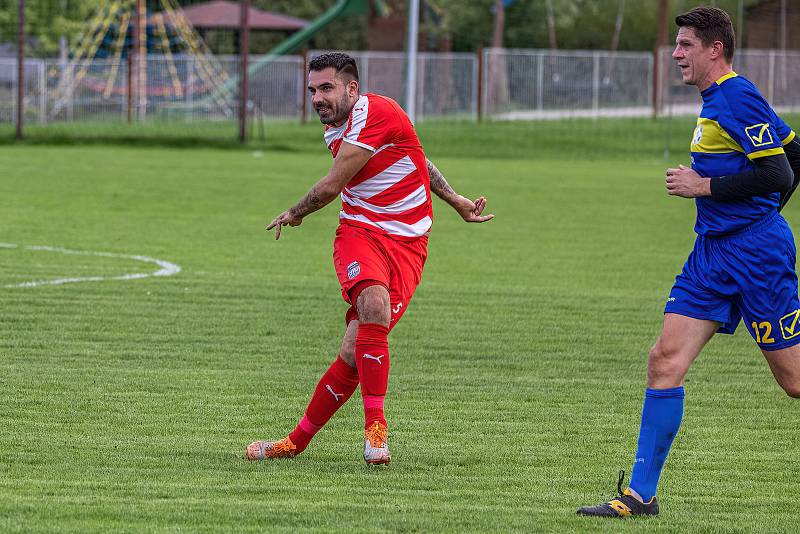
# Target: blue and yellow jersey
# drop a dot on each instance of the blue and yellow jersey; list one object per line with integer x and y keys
{"x": 735, "y": 127}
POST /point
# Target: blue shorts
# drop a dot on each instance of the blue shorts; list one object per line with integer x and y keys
{"x": 750, "y": 275}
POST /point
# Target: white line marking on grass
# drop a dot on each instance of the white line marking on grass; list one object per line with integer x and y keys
{"x": 167, "y": 268}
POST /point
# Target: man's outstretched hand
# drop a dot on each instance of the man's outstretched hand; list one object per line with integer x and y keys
{"x": 284, "y": 219}
{"x": 471, "y": 211}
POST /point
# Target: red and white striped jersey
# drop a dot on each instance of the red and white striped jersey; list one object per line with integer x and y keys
{"x": 391, "y": 193}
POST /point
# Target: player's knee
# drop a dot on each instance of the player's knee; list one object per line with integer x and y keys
{"x": 373, "y": 305}
{"x": 659, "y": 357}
{"x": 348, "y": 353}
{"x": 792, "y": 389}
{"x": 663, "y": 364}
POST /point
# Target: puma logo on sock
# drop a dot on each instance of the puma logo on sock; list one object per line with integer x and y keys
{"x": 376, "y": 358}
{"x": 335, "y": 395}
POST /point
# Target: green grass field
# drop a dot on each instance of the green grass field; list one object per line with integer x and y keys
{"x": 517, "y": 374}
{"x": 580, "y": 138}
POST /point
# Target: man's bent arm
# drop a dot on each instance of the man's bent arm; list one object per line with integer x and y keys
{"x": 470, "y": 211}
{"x": 349, "y": 160}
{"x": 439, "y": 185}
{"x": 772, "y": 174}
{"x": 792, "y": 150}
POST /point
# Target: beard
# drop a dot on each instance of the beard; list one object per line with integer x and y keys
{"x": 333, "y": 113}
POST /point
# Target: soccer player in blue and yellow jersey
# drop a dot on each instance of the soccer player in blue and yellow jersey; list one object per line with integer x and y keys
{"x": 745, "y": 163}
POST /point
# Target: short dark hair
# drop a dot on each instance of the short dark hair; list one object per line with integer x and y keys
{"x": 710, "y": 24}
{"x": 342, "y": 62}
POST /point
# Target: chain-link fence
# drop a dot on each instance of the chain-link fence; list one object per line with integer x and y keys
{"x": 179, "y": 87}
{"x": 552, "y": 84}
{"x": 447, "y": 83}
{"x": 557, "y": 91}
{"x": 513, "y": 84}
{"x": 776, "y": 73}
{"x": 191, "y": 89}
{"x": 35, "y": 102}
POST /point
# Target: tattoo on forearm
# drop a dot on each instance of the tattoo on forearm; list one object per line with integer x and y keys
{"x": 308, "y": 204}
{"x": 439, "y": 185}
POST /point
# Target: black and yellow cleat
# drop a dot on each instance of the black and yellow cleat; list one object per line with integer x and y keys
{"x": 623, "y": 505}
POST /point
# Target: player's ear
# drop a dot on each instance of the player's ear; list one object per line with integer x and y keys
{"x": 717, "y": 49}
{"x": 352, "y": 88}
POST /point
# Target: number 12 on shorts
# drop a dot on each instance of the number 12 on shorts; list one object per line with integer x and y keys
{"x": 766, "y": 337}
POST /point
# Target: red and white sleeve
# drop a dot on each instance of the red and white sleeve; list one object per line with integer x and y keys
{"x": 371, "y": 126}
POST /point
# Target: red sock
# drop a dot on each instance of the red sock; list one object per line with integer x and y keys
{"x": 372, "y": 359}
{"x": 333, "y": 390}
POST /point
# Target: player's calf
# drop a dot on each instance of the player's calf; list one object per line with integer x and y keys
{"x": 791, "y": 388}
{"x": 785, "y": 366}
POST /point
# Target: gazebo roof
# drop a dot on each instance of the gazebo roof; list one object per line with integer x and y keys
{"x": 224, "y": 14}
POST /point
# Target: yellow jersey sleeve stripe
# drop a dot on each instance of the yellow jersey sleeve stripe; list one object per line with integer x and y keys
{"x": 711, "y": 138}
{"x": 789, "y": 138}
{"x": 764, "y": 153}
{"x": 728, "y": 76}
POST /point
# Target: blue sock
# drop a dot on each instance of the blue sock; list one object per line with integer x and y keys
{"x": 661, "y": 419}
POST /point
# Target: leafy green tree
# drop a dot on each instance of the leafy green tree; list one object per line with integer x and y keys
{"x": 46, "y": 21}
{"x": 446, "y": 24}
{"x": 580, "y": 24}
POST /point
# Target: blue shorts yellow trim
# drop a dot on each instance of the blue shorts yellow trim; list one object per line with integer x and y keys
{"x": 747, "y": 275}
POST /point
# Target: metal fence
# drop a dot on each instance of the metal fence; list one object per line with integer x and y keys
{"x": 543, "y": 84}
{"x": 184, "y": 88}
{"x": 447, "y": 83}
{"x": 35, "y": 93}
{"x": 180, "y": 87}
{"x": 499, "y": 84}
{"x": 776, "y": 73}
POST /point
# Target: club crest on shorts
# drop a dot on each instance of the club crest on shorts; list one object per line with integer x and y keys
{"x": 353, "y": 270}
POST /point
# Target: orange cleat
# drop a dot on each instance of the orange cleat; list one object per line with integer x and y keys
{"x": 263, "y": 450}
{"x": 376, "y": 448}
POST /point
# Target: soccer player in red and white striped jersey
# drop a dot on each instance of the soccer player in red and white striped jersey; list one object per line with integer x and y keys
{"x": 385, "y": 182}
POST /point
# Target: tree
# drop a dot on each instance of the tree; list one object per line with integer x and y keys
{"x": 464, "y": 26}
{"x": 579, "y": 24}
{"x": 46, "y": 21}
{"x": 498, "y": 67}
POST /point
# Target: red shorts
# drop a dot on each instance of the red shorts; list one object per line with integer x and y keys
{"x": 361, "y": 255}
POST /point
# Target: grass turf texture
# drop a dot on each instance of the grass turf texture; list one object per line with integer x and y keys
{"x": 517, "y": 376}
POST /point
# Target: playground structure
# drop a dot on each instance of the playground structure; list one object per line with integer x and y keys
{"x": 340, "y": 10}
{"x": 148, "y": 56}
{"x": 110, "y": 58}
